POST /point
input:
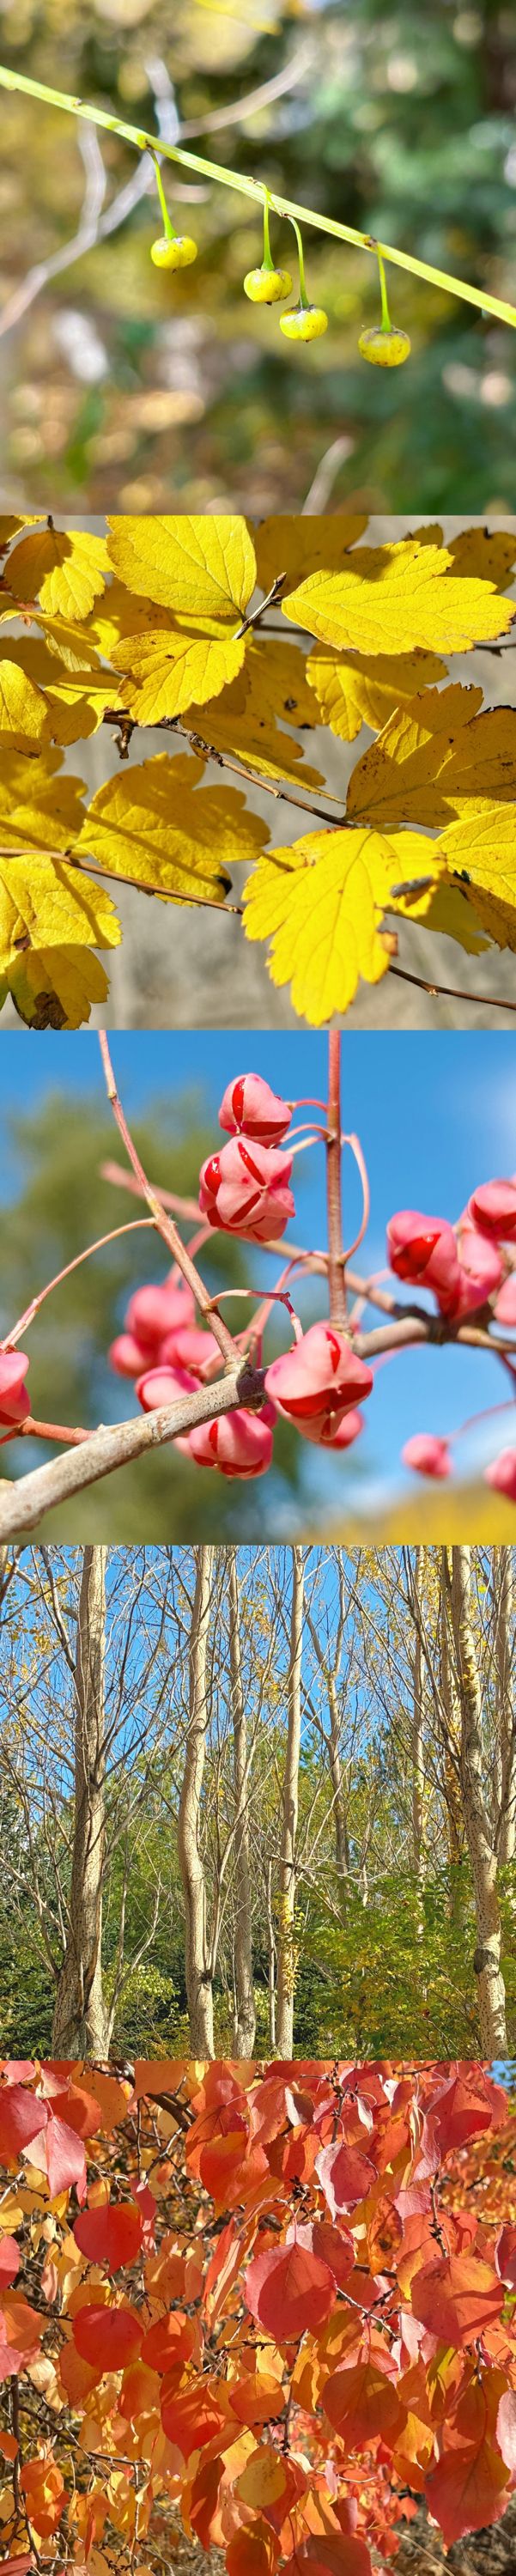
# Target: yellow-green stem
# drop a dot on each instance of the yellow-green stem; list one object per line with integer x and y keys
{"x": 142, "y": 142}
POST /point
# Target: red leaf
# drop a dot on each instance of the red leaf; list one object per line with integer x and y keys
{"x": 468, "y": 2104}
{"x": 506, "y": 2429}
{"x": 20, "y": 2119}
{"x": 505, "y": 2256}
{"x": 289, "y": 2290}
{"x": 111, "y": 2234}
{"x": 20, "y": 2334}
{"x": 169, "y": 2343}
{"x": 332, "y": 2557}
{"x": 107, "y": 2338}
{"x": 191, "y": 2419}
{"x": 10, "y": 2259}
{"x": 457, "y": 2298}
{"x": 468, "y": 2489}
{"x": 362, "y": 2404}
{"x": 346, "y": 2176}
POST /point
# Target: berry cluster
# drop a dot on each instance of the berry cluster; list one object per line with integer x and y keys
{"x": 382, "y": 344}
{"x": 172, "y": 1354}
{"x": 243, "y": 1190}
{"x": 468, "y": 1267}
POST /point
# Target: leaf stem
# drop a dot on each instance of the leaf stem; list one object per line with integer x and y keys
{"x": 16, "y": 82}
{"x": 168, "y": 226}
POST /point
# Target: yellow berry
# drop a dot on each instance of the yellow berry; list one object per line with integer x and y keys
{"x": 175, "y": 252}
{"x": 267, "y": 285}
{"x": 384, "y": 348}
{"x": 306, "y": 323}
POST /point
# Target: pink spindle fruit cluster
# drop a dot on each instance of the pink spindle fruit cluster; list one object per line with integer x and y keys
{"x": 168, "y": 1349}
{"x": 467, "y": 1267}
{"x": 243, "y": 1190}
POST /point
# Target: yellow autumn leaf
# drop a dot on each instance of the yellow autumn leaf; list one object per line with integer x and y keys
{"x": 441, "y": 755}
{"x": 321, "y": 903}
{"x": 49, "y": 905}
{"x": 119, "y": 613}
{"x": 157, "y": 824}
{"x": 442, "y": 906}
{"x": 11, "y": 526}
{"x": 200, "y": 572}
{"x": 353, "y": 689}
{"x": 41, "y": 807}
{"x": 23, "y": 712}
{"x": 76, "y": 647}
{"x": 262, "y": 2482}
{"x": 200, "y": 566}
{"x": 481, "y": 851}
{"x": 72, "y": 704}
{"x": 298, "y": 546}
{"x": 54, "y": 988}
{"x": 489, "y": 553}
{"x": 245, "y": 720}
{"x": 390, "y": 598}
{"x": 63, "y": 568}
{"x": 167, "y": 670}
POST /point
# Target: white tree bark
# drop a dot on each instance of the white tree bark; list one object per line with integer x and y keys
{"x": 504, "y": 1649}
{"x": 245, "y": 2013}
{"x": 482, "y": 1854}
{"x": 287, "y": 1961}
{"x": 198, "y": 1960}
{"x": 81, "y": 2024}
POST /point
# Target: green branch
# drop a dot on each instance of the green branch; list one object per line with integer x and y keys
{"x": 142, "y": 142}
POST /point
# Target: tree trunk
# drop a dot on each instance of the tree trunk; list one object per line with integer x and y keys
{"x": 483, "y": 1858}
{"x": 417, "y": 1747}
{"x": 503, "y": 1579}
{"x": 271, "y": 1962}
{"x": 339, "y": 1814}
{"x": 245, "y": 2014}
{"x": 287, "y": 1960}
{"x": 81, "y": 2025}
{"x": 198, "y": 1962}
{"x": 450, "y": 1709}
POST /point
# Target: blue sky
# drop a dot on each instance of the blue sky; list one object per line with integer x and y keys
{"x": 436, "y": 1114}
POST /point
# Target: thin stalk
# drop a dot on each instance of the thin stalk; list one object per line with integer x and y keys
{"x": 19, "y": 82}
{"x": 336, "y": 1280}
{"x": 168, "y": 226}
{"x": 165, "y": 1224}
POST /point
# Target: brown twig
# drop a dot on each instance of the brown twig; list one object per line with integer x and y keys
{"x": 165, "y": 1224}
{"x": 336, "y": 1280}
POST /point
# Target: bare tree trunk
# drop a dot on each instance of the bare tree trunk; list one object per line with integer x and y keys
{"x": 452, "y": 1744}
{"x": 198, "y": 1962}
{"x": 339, "y": 1814}
{"x": 271, "y": 1962}
{"x": 503, "y": 1579}
{"x": 245, "y": 2014}
{"x": 483, "y": 1858}
{"x": 287, "y": 1889}
{"x": 417, "y": 1745}
{"x": 81, "y": 2025}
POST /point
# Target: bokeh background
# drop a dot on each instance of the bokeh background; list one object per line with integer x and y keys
{"x": 122, "y": 388}
{"x": 433, "y": 1120}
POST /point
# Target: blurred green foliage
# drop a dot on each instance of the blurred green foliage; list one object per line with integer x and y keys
{"x": 127, "y": 389}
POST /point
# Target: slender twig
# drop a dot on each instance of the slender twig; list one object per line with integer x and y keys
{"x": 253, "y": 188}
{"x": 224, "y": 760}
{"x": 336, "y": 1281}
{"x": 165, "y": 1224}
{"x": 450, "y": 992}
